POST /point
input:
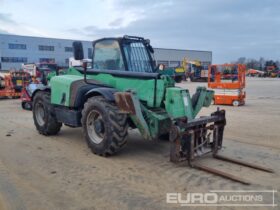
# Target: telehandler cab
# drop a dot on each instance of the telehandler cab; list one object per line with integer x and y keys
{"x": 124, "y": 89}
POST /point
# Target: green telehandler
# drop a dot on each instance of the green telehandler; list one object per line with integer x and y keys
{"x": 124, "y": 89}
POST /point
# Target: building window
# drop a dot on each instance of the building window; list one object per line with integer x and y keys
{"x": 67, "y": 61}
{"x": 68, "y": 49}
{"x": 47, "y": 60}
{"x": 165, "y": 63}
{"x": 90, "y": 53}
{"x": 46, "y": 48}
{"x": 174, "y": 64}
{"x": 13, "y": 59}
{"x": 17, "y": 46}
{"x": 205, "y": 63}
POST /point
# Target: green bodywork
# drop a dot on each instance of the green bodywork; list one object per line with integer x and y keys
{"x": 178, "y": 102}
{"x": 145, "y": 89}
{"x": 157, "y": 103}
{"x": 62, "y": 84}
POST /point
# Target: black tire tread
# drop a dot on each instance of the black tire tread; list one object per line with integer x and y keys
{"x": 118, "y": 126}
{"x": 52, "y": 126}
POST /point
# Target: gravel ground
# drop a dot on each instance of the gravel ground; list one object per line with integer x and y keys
{"x": 60, "y": 172}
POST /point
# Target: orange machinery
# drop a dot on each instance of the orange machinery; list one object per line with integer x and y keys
{"x": 228, "y": 82}
{"x": 12, "y": 84}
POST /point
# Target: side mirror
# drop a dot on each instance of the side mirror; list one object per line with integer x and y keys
{"x": 57, "y": 70}
{"x": 161, "y": 67}
{"x": 78, "y": 50}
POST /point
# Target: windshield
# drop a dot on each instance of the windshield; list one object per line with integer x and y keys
{"x": 137, "y": 57}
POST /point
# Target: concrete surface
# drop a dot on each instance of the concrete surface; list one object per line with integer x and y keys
{"x": 60, "y": 172}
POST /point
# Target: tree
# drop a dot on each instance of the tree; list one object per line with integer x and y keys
{"x": 241, "y": 60}
{"x": 252, "y": 64}
{"x": 262, "y": 63}
{"x": 277, "y": 64}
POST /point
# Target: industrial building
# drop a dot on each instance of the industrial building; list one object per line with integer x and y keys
{"x": 15, "y": 50}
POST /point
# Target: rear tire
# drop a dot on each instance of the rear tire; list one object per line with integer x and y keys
{"x": 44, "y": 115}
{"x": 26, "y": 106}
{"x": 104, "y": 128}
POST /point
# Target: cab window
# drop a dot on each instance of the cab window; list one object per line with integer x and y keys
{"x": 107, "y": 56}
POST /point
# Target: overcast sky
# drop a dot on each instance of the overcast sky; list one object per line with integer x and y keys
{"x": 229, "y": 28}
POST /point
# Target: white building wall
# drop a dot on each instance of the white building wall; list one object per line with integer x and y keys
{"x": 173, "y": 56}
{"x": 33, "y": 54}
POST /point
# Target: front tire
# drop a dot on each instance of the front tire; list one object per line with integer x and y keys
{"x": 104, "y": 127}
{"x": 44, "y": 115}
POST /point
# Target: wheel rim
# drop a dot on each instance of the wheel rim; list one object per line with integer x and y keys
{"x": 40, "y": 113}
{"x": 235, "y": 103}
{"x": 27, "y": 106}
{"x": 95, "y": 127}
